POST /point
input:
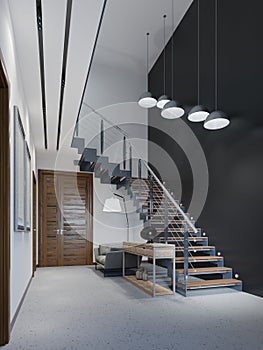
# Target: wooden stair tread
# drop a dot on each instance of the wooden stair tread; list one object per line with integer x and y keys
{"x": 180, "y": 238}
{"x": 161, "y": 210}
{"x": 199, "y": 247}
{"x": 174, "y": 229}
{"x": 219, "y": 282}
{"x": 174, "y": 220}
{"x": 199, "y": 258}
{"x": 205, "y": 269}
{"x": 170, "y": 210}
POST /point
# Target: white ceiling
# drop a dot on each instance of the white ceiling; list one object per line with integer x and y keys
{"x": 121, "y": 43}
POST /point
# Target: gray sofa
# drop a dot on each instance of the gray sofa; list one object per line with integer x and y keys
{"x": 109, "y": 260}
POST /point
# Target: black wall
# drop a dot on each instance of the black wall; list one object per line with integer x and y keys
{"x": 233, "y": 213}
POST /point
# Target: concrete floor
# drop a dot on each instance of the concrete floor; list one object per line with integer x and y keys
{"x": 77, "y": 308}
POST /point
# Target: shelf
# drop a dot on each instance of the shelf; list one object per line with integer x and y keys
{"x": 147, "y": 286}
{"x": 159, "y": 250}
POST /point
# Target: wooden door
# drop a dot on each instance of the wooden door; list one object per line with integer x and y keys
{"x": 49, "y": 217}
{"x": 66, "y": 218}
{"x": 74, "y": 235}
{"x": 4, "y": 209}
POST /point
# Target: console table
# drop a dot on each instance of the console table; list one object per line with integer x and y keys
{"x": 154, "y": 251}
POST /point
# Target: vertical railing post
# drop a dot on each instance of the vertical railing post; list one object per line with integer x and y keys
{"x": 101, "y": 137}
{"x": 124, "y": 152}
{"x": 131, "y": 160}
{"x": 77, "y": 127}
{"x": 166, "y": 219}
{"x": 151, "y": 196}
{"x": 186, "y": 257}
{"x": 139, "y": 168}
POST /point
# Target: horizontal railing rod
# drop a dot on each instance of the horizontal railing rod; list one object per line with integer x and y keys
{"x": 171, "y": 198}
{"x": 106, "y": 120}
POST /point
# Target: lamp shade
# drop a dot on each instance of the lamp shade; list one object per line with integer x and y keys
{"x": 198, "y": 113}
{"x": 216, "y": 120}
{"x": 172, "y": 110}
{"x": 147, "y": 100}
{"x": 112, "y": 205}
{"x": 148, "y": 233}
{"x": 162, "y": 100}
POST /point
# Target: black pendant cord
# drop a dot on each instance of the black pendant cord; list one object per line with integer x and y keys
{"x": 216, "y": 54}
{"x": 164, "y": 55}
{"x": 198, "y": 52}
{"x": 147, "y": 59}
{"x": 172, "y": 70}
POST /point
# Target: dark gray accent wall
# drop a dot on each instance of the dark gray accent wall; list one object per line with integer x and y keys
{"x": 232, "y": 215}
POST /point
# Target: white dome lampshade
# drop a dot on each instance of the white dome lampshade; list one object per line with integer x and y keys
{"x": 162, "y": 100}
{"x": 198, "y": 113}
{"x": 112, "y": 205}
{"x": 147, "y": 100}
{"x": 172, "y": 110}
{"x": 216, "y": 120}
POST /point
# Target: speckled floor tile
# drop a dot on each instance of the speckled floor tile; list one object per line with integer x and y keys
{"x": 76, "y": 308}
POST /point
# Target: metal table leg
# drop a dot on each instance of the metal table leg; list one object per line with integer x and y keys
{"x": 174, "y": 272}
{"x": 154, "y": 262}
{"x": 123, "y": 263}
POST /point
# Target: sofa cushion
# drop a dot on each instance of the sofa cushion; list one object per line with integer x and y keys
{"x": 104, "y": 249}
{"x": 116, "y": 249}
{"x": 101, "y": 259}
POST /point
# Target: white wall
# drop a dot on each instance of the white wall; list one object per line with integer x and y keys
{"x": 111, "y": 227}
{"x": 21, "y": 243}
{"x": 113, "y": 92}
{"x": 107, "y": 227}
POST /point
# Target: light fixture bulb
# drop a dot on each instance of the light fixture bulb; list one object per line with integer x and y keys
{"x": 162, "y": 100}
{"x": 147, "y": 100}
{"x": 198, "y": 113}
{"x": 172, "y": 110}
{"x": 216, "y": 120}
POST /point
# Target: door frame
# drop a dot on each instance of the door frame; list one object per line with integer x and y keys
{"x": 41, "y": 174}
{"x": 34, "y": 223}
{"x": 4, "y": 207}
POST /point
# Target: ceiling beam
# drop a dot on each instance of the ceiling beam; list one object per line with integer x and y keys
{"x": 64, "y": 67}
{"x": 42, "y": 67}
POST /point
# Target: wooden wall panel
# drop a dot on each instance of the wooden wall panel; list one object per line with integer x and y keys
{"x": 34, "y": 242}
{"x": 4, "y": 211}
{"x": 66, "y": 218}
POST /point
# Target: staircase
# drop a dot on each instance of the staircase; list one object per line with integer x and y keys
{"x": 198, "y": 264}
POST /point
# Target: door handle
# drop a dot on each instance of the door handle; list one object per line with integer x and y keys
{"x": 59, "y": 231}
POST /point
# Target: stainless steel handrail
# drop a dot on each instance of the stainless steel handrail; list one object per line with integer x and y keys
{"x": 171, "y": 198}
{"x": 124, "y": 133}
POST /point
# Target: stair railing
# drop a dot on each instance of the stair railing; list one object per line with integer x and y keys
{"x": 110, "y": 134}
{"x": 167, "y": 193}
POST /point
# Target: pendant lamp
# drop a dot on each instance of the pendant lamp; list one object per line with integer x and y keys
{"x": 164, "y": 98}
{"x": 147, "y": 100}
{"x": 198, "y": 113}
{"x": 172, "y": 109}
{"x": 217, "y": 119}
